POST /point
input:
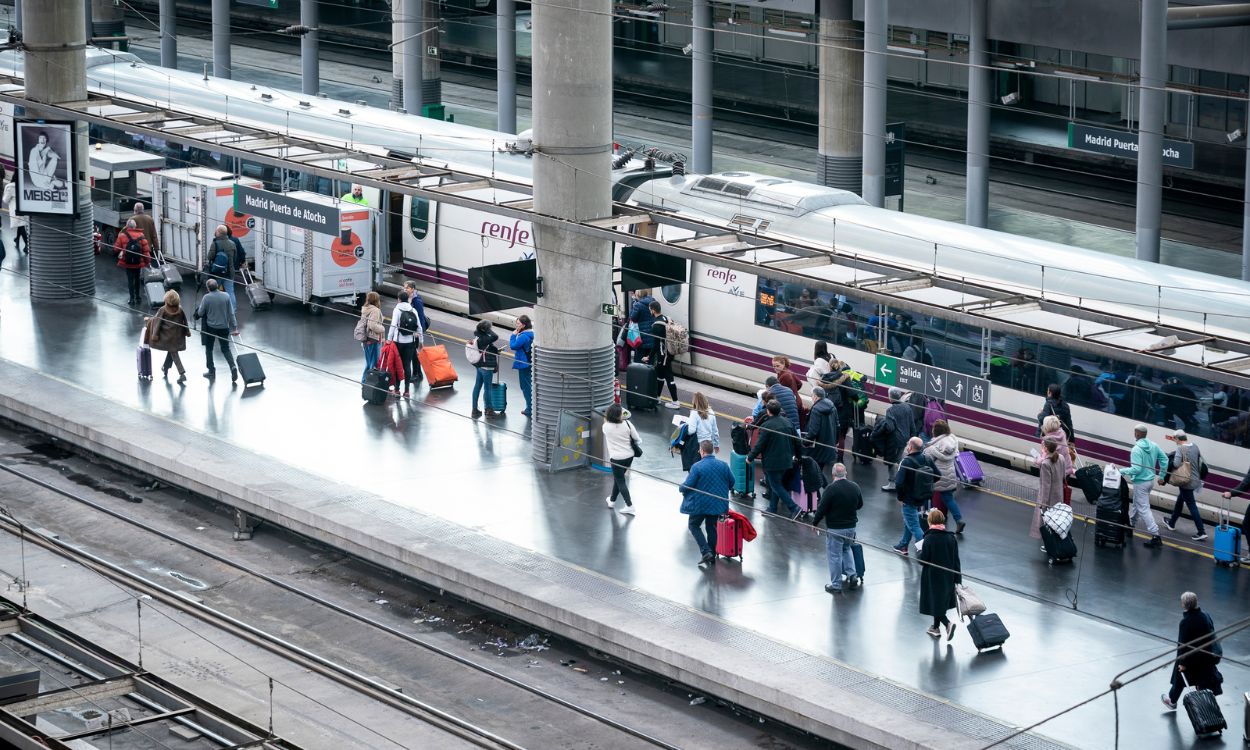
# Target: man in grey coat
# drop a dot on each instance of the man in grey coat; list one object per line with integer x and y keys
{"x": 218, "y": 324}
{"x": 891, "y": 433}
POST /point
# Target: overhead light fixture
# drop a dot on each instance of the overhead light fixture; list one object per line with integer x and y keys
{"x": 1076, "y": 76}
{"x": 1011, "y": 98}
{"x": 687, "y": 49}
{"x": 906, "y": 50}
{"x": 1234, "y": 136}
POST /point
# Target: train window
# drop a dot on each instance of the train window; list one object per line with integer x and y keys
{"x": 419, "y": 218}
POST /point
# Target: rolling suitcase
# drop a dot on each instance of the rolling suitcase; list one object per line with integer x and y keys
{"x": 744, "y": 474}
{"x": 729, "y": 538}
{"x": 437, "y": 366}
{"x": 642, "y": 390}
{"x": 257, "y": 296}
{"x": 1108, "y": 531}
{"x": 155, "y": 292}
{"x": 968, "y": 469}
{"x": 152, "y": 273}
{"x": 497, "y": 397}
{"x": 143, "y": 361}
{"x": 250, "y": 370}
{"x": 861, "y": 444}
{"x": 1227, "y": 541}
{"x": 1058, "y": 549}
{"x": 987, "y": 631}
{"x": 857, "y": 552}
{"x": 376, "y": 386}
{"x": 1088, "y": 479}
{"x": 1204, "y": 711}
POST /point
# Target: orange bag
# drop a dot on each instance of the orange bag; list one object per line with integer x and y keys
{"x": 439, "y": 372}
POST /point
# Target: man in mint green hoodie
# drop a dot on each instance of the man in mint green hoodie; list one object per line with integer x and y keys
{"x": 1147, "y": 463}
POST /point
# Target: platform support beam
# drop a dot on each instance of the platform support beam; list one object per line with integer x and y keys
{"x": 62, "y": 260}
{"x": 221, "y": 38}
{"x": 88, "y": 18}
{"x": 701, "y": 89}
{"x": 17, "y": 14}
{"x": 876, "y": 28}
{"x": 1245, "y": 219}
{"x": 977, "y": 210}
{"x": 1152, "y": 98}
{"x": 410, "y": 50}
{"x": 841, "y": 142}
{"x": 169, "y": 34}
{"x": 572, "y": 100}
{"x": 505, "y": 65}
{"x": 310, "y": 48}
{"x": 431, "y": 64}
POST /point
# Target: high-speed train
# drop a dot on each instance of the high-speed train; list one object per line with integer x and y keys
{"x": 738, "y": 321}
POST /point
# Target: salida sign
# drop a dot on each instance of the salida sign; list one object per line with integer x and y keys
{"x": 1124, "y": 144}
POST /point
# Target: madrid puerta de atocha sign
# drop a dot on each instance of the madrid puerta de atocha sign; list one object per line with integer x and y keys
{"x": 933, "y": 382}
{"x": 1124, "y": 144}
{"x": 285, "y": 209}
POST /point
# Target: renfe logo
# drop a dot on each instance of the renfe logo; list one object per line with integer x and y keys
{"x": 723, "y": 275}
{"x": 511, "y": 234}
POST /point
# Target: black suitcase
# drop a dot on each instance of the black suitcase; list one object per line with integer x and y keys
{"x": 377, "y": 384}
{"x": 642, "y": 390}
{"x": 987, "y": 631}
{"x": 861, "y": 444}
{"x": 1058, "y": 550}
{"x": 171, "y": 277}
{"x": 1108, "y": 531}
{"x": 249, "y": 369}
{"x": 151, "y": 274}
{"x": 257, "y": 295}
{"x": 1204, "y": 712}
{"x": 155, "y": 291}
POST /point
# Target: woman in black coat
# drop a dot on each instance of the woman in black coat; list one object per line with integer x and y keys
{"x": 1058, "y": 407}
{"x": 940, "y": 557}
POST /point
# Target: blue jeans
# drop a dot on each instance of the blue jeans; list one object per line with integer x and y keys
{"x": 484, "y": 378}
{"x": 228, "y": 286}
{"x": 841, "y": 561}
{"x": 778, "y": 490}
{"x": 707, "y": 545}
{"x": 525, "y": 376}
{"x": 911, "y": 526}
{"x": 952, "y": 508}
{"x": 373, "y": 349}
{"x": 1186, "y": 498}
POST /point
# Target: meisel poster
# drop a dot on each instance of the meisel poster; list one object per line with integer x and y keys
{"x": 45, "y": 167}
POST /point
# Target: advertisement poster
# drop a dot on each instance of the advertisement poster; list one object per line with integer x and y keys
{"x": 45, "y": 167}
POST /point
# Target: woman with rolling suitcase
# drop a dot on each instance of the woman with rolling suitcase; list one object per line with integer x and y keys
{"x": 1197, "y": 653}
{"x": 1052, "y": 467}
{"x": 168, "y": 332}
{"x": 940, "y": 571}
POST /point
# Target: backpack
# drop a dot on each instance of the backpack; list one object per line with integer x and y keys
{"x": 221, "y": 262}
{"x": 132, "y": 255}
{"x": 408, "y": 323}
{"x": 472, "y": 353}
{"x": 677, "y": 338}
{"x": 923, "y": 479}
{"x": 741, "y": 439}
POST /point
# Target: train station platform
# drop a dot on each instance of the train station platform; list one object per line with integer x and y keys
{"x": 418, "y": 487}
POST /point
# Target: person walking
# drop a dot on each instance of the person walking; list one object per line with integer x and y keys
{"x": 891, "y": 433}
{"x": 146, "y": 224}
{"x": 914, "y": 481}
{"x": 640, "y": 314}
{"x": 942, "y": 451}
{"x": 1052, "y": 467}
{"x": 405, "y": 331}
{"x": 1197, "y": 653}
{"x": 133, "y": 255}
{"x": 521, "y": 342}
{"x": 1240, "y": 490}
{"x": 701, "y": 424}
{"x": 1056, "y": 406}
{"x": 622, "y": 445}
{"x": 484, "y": 338}
{"x": 660, "y": 357}
{"x": 1052, "y": 429}
{"x": 1186, "y": 491}
{"x": 785, "y": 399}
{"x": 839, "y": 509}
{"x": 168, "y": 332}
{"x": 705, "y": 498}
{"x": 19, "y": 222}
{"x": 822, "y": 431}
{"x": 940, "y": 572}
{"x": 776, "y": 447}
{"x": 1146, "y": 464}
{"x": 223, "y": 262}
{"x": 370, "y": 332}
{"x": 217, "y": 325}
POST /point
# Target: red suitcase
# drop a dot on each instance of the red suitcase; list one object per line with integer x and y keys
{"x": 729, "y": 538}
{"x": 437, "y": 366}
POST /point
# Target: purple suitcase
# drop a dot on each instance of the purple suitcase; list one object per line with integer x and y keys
{"x": 143, "y": 361}
{"x": 968, "y": 469}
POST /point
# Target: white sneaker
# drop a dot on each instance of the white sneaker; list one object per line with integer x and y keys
{"x": 611, "y": 503}
{"x": 671, "y": 405}
{"x": 1199, "y": 537}
{"x": 628, "y": 510}
{"x": 1168, "y": 523}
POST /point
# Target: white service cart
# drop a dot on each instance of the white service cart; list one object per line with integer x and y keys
{"x": 120, "y": 176}
{"x": 313, "y": 268}
{"x": 190, "y": 204}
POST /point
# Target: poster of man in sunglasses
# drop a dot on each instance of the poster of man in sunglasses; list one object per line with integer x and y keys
{"x": 44, "y": 155}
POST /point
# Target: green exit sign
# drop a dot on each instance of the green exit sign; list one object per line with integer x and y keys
{"x": 608, "y": 308}
{"x": 271, "y": 4}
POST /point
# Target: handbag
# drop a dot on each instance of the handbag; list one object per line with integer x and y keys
{"x": 968, "y": 603}
{"x": 633, "y": 442}
{"x": 1182, "y": 475}
{"x": 633, "y": 338}
{"x": 361, "y": 333}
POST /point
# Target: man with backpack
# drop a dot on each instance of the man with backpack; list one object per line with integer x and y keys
{"x": 133, "y": 254}
{"x": 661, "y": 354}
{"x": 891, "y": 432}
{"x": 914, "y": 481}
{"x": 406, "y": 331}
{"x": 222, "y": 262}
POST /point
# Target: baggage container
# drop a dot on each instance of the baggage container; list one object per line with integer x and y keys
{"x": 143, "y": 361}
{"x": 257, "y": 296}
{"x": 189, "y": 204}
{"x": 1108, "y": 527}
{"x": 497, "y": 397}
{"x": 155, "y": 293}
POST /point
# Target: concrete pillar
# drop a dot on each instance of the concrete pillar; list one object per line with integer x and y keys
{"x": 89, "y": 22}
{"x": 977, "y": 210}
{"x": 310, "y": 48}
{"x": 410, "y": 50}
{"x": 62, "y": 260}
{"x": 1151, "y": 102}
{"x": 17, "y": 14}
{"x": 505, "y": 65}
{"x": 572, "y": 100}
{"x": 169, "y": 34}
{"x": 221, "y": 38}
{"x": 431, "y": 65}
{"x": 108, "y": 19}
{"x": 841, "y": 142}
{"x": 1245, "y": 219}
{"x": 397, "y": 57}
{"x": 876, "y": 26}
{"x": 701, "y": 89}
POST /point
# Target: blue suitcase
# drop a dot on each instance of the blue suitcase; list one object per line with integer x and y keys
{"x": 1227, "y": 541}
{"x": 744, "y": 474}
{"x": 857, "y": 552}
{"x": 497, "y": 397}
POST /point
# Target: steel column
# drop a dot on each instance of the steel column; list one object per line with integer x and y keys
{"x": 701, "y": 89}
{"x": 169, "y": 34}
{"x": 410, "y": 50}
{"x": 221, "y": 38}
{"x": 1152, "y": 100}
{"x": 841, "y": 141}
{"x": 876, "y": 27}
{"x": 505, "y": 65}
{"x": 309, "y": 48}
{"x": 977, "y": 210}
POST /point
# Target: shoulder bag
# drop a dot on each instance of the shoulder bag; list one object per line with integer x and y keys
{"x": 633, "y": 441}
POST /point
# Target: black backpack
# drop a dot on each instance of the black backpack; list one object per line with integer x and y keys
{"x": 741, "y": 439}
{"x": 924, "y": 477}
{"x": 408, "y": 323}
{"x": 133, "y": 254}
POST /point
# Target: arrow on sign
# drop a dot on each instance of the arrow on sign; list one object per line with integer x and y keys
{"x": 886, "y": 372}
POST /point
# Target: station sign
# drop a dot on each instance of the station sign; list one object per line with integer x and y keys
{"x": 1123, "y": 143}
{"x": 895, "y": 158}
{"x": 933, "y": 382}
{"x": 265, "y": 204}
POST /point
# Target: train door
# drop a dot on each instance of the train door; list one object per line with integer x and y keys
{"x": 420, "y": 233}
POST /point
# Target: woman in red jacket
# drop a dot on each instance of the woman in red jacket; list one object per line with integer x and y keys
{"x": 133, "y": 254}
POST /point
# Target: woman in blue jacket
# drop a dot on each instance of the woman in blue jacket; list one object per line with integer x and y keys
{"x": 521, "y": 342}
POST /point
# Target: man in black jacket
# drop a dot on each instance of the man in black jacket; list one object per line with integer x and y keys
{"x": 839, "y": 506}
{"x": 891, "y": 432}
{"x": 777, "y": 447}
{"x": 1196, "y": 652}
{"x": 915, "y": 479}
{"x": 822, "y": 430}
